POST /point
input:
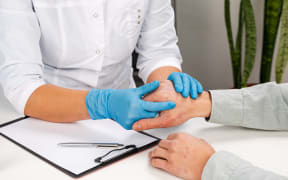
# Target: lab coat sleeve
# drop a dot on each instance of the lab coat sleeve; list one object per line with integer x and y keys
{"x": 157, "y": 45}
{"x": 20, "y": 56}
{"x": 263, "y": 106}
{"x": 226, "y": 166}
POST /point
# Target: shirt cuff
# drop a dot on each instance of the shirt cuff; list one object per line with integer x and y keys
{"x": 227, "y": 107}
{"x": 153, "y": 65}
{"x": 18, "y": 97}
{"x": 222, "y": 165}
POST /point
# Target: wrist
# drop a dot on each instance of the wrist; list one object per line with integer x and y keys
{"x": 202, "y": 106}
{"x": 207, "y": 104}
{"x": 97, "y": 103}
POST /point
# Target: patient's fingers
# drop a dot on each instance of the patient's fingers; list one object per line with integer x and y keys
{"x": 160, "y": 163}
{"x": 165, "y": 144}
{"x": 146, "y": 124}
{"x": 159, "y": 153}
{"x": 172, "y": 136}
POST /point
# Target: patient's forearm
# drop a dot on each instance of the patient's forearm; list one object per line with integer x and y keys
{"x": 261, "y": 107}
{"x": 224, "y": 164}
{"x": 56, "y": 104}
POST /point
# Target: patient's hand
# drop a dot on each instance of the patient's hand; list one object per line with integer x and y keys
{"x": 186, "y": 108}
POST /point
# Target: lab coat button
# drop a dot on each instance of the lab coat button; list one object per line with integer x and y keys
{"x": 98, "y": 52}
{"x": 95, "y": 15}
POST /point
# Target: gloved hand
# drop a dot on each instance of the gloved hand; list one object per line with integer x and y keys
{"x": 125, "y": 106}
{"x": 185, "y": 84}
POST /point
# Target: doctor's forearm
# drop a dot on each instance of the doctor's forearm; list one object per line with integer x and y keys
{"x": 162, "y": 73}
{"x": 55, "y": 104}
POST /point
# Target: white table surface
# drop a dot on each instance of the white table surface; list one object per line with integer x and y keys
{"x": 263, "y": 148}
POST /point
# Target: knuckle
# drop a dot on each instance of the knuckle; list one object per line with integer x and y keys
{"x": 153, "y": 153}
{"x": 170, "y": 156}
{"x": 182, "y": 135}
{"x": 173, "y": 146}
{"x": 203, "y": 140}
{"x": 167, "y": 121}
{"x": 156, "y": 151}
{"x": 170, "y": 136}
{"x": 169, "y": 145}
{"x": 171, "y": 116}
{"x": 177, "y": 135}
{"x": 162, "y": 142}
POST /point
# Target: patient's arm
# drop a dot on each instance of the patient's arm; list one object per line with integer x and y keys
{"x": 186, "y": 108}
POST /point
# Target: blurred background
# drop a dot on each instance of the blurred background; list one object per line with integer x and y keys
{"x": 204, "y": 44}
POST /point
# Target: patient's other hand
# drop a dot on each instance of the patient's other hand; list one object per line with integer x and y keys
{"x": 186, "y": 108}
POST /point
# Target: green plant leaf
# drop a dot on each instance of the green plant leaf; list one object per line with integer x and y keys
{"x": 282, "y": 57}
{"x": 234, "y": 52}
{"x": 238, "y": 49}
{"x": 250, "y": 40}
{"x": 273, "y": 9}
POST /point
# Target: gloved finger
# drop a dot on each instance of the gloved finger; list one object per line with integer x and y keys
{"x": 199, "y": 87}
{"x": 143, "y": 90}
{"x": 149, "y": 115}
{"x": 157, "y": 106}
{"x": 141, "y": 115}
{"x": 176, "y": 78}
{"x": 186, "y": 86}
{"x": 193, "y": 90}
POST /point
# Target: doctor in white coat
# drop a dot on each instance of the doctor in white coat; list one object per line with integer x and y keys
{"x": 63, "y": 60}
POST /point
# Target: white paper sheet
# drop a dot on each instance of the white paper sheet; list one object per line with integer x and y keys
{"x": 43, "y": 138}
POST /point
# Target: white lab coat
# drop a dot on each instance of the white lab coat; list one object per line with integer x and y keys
{"x": 82, "y": 44}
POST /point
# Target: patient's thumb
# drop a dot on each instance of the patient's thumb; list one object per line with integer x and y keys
{"x": 146, "y": 124}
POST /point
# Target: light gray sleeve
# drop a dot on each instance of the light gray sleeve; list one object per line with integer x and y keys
{"x": 263, "y": 106}
{"x": 226, "y": 166}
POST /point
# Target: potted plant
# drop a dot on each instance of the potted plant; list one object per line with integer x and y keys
{"x": 282, "y": 57}
{"x": 272, "y": 14}
{"x": 247, "y": 23}
{"x": 276, "y": 12}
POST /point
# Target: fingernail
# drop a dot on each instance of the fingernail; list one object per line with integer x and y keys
{"x": 137, "y": 127}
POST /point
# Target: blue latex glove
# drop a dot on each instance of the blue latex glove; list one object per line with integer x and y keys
{"x": 185, "y": 84}
{"x": 125, "y": 106}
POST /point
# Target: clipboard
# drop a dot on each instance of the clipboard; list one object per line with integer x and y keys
{"x": 11, "y": 131}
